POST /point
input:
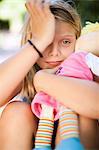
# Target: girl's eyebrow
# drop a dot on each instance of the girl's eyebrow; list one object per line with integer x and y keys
{"x": 67, "y": 36}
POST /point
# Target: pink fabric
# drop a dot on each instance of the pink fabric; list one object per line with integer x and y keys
{"x": 42, "y": 98}
{"x": 74, "y": 66}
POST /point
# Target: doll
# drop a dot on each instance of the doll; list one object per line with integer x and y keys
{"x": 80, "y": 64}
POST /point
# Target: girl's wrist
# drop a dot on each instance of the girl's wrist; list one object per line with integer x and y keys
{"x": 34, "y": 47}
{"x": 40, "y": 45}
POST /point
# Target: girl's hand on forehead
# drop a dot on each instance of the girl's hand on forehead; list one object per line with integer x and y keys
{"x": 42, "y": 22}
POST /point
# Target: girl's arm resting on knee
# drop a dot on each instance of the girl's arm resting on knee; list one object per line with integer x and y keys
{"x": 13, "y": 71}
{"x": 80, "y": 95}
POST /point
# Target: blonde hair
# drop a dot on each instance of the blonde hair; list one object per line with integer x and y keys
{"x": 90, "y": 27}
{"x": 62, "y": 11}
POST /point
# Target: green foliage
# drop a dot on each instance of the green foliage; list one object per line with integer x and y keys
{"x": 89, "y": 10}
{"x": 10, "y": 9}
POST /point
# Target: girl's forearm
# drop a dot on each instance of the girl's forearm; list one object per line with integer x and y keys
{"x": 13, "y": 71}
{"x": 80, "y": 95}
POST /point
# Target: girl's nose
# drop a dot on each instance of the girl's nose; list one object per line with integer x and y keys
{"x": 53, "y": 50}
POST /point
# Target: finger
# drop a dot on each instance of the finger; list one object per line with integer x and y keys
{"x": 38, "y": 1}
{"x": 32, "y": 18}
{"x": 36, "y": 13}
{"x": 46, "y": 7}
{"x": 31, "y": 8}
{"x": 39, "y": 4}
{"x": 32, "y": 1}
{"x": 37, "y": 10}
{"x": 27, "y": 5}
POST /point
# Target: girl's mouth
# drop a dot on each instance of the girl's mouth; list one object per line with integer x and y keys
{"x": 54, "y": 63}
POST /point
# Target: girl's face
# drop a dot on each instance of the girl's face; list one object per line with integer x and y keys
{"x": 61, "y": 47}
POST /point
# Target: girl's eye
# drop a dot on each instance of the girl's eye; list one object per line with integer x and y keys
{"x": 65, "y": 42}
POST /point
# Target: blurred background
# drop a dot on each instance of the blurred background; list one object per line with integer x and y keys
{"x": 12, "y": 14}
{"x": 11, "y": 20}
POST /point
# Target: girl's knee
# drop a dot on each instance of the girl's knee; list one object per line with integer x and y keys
{"x": 18, "y": 114}
{"x": 17, "y": 122}
{"x": 17, "y": 109}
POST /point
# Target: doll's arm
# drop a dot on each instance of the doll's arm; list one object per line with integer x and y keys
{"x": 93, "y": 63}
{"x": 89, "y": 43}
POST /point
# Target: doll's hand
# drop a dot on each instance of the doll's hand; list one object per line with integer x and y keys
{"x": 88, "y": 42}
{"x": 41, "y": 19}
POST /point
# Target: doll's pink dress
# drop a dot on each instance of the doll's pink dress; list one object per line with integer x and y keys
{"x": 74, "y": 66}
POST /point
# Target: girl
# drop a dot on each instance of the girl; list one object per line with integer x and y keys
{"x": 54, "y": 36}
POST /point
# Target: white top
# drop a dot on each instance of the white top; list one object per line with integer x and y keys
{"x": 93, "y": 63}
